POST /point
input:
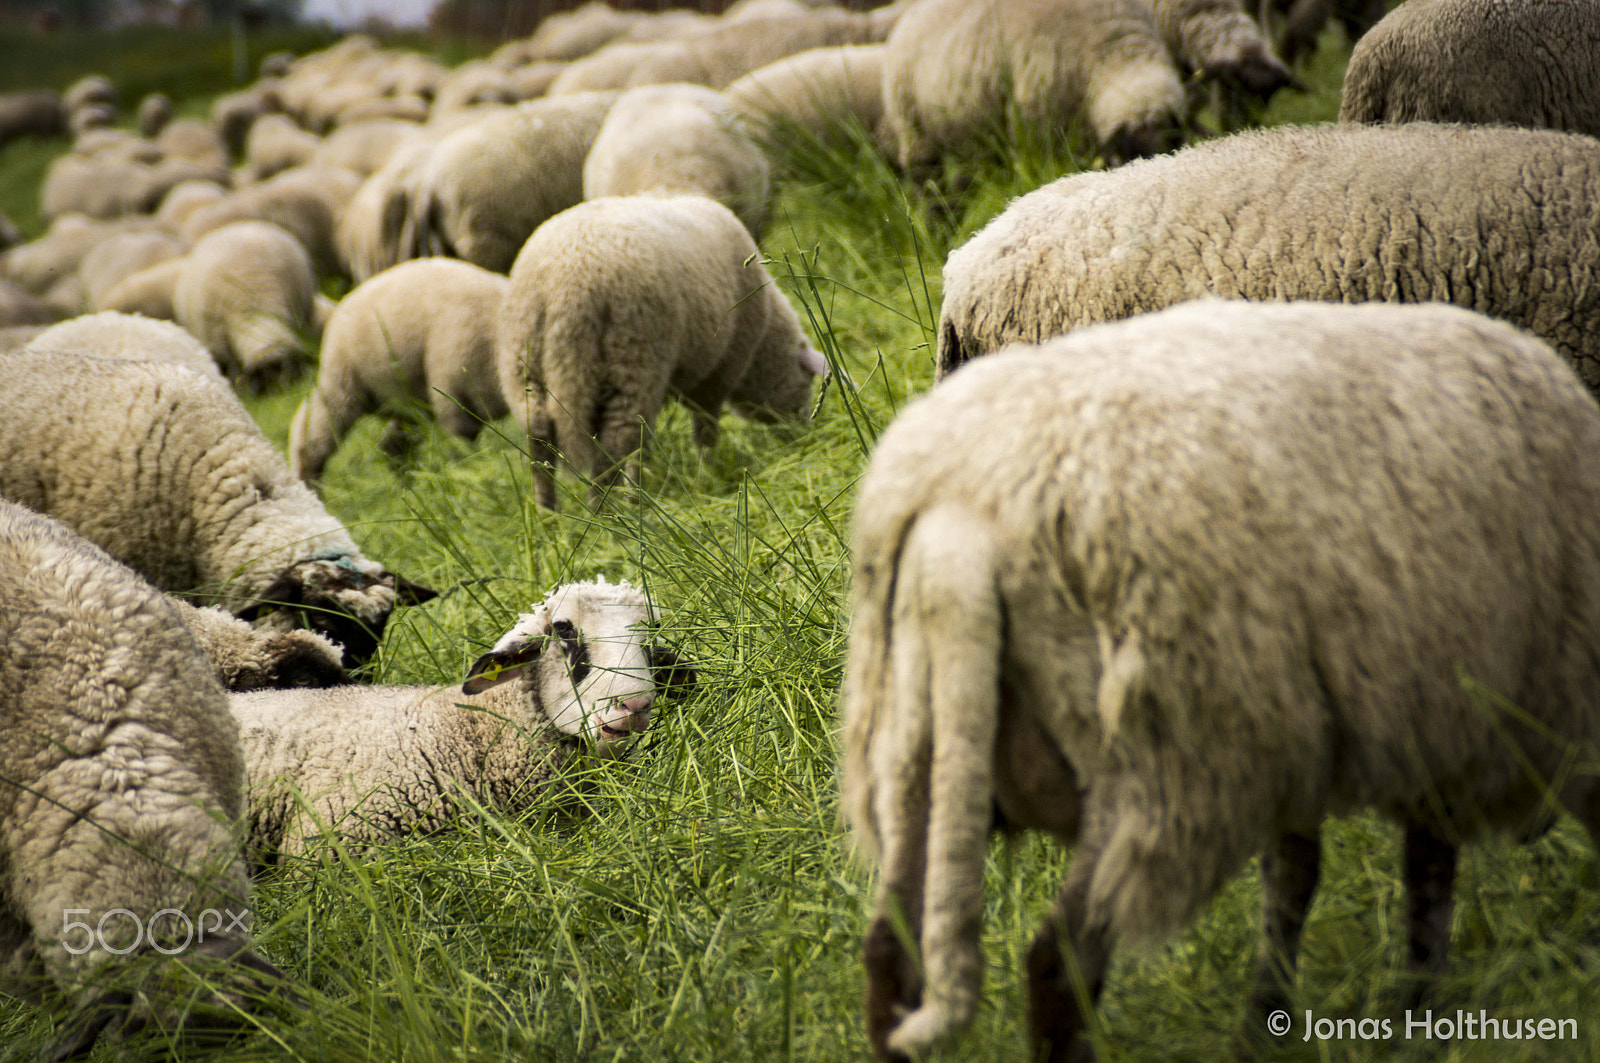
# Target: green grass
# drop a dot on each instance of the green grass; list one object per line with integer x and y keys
{"x": 706, "y": 907}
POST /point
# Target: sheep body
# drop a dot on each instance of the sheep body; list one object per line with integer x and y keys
{"x": 422, "y": 333}
{"x": 246, "y": 291}
{"x": 37, "y": 113}
{"x": 618, "y": 301}
{"x": 275, "y": 144}
{"x": 956, "y": 69}
{"x": 1213, "y": 572}
{"x": 1344, "y": 213}
{"x": 1533, "y": 63}
{"x": 148, "y": 293}
{"x": 19, "y": 307}
{"x": 609, "y": 68}
{"x": 114, "y": 260}
{"x": 363, "y": 147}
{"x": 110, "y": 334}
{"x": 306, "y": 201}
{"x": 721, "y": 56}
{"x": 679, "y": 138}
{"x": 818, "y": 90}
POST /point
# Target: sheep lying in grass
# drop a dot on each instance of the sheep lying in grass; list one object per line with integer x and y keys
{"x": 1531, "y": 64}
{"x": 1180, "y": 587}
{"x": 618, "y": 302}
{"x": 420, "y": 334}
{"x": 680, "y": 138}
{"x": 162, "y": 467}
{"x": 1502, "y": 221}
{"x": 956, "y": 69}
{"x": 121, "y": 786}
{"x": 577, "y": 674}
{"x": 246, "y": 292}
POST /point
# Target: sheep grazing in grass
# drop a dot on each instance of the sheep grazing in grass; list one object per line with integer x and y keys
{"x": 483, "y": 190}
{"x": 184, "y": 199}
{"x": 114, "y": 260}
{"x": 305, "y": 201}
{"x": 609, "y": 68}
{"x": 818, "y": 90}
{"x": 149, "y": 292}
{"x": 121, "y": 788}
{"x": 618, "y": 302}
{"x": 957, "y": 69}
{"x": 162, "y": 468}
{"x": 419, "y": 335}
{"x": 576, "y": 675}
{"x": 680, "y": 138}
{"x": 1534, "y": 63}
{"x": 370, "y": 233}
{"x": 1180, "y": 587}
{"x": 1345, "y": 213}
{"x": 721, "y": 56}
{"x": 246, "y": 292}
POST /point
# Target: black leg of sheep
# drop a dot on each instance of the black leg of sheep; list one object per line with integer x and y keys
{"x": 1289, "y": 873}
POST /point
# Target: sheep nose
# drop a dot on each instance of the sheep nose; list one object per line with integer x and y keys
{"x": 637, "y": 709}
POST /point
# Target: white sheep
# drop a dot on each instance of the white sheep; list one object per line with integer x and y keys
{"x": 184, "y": 199}
{"x": 362, "y": 148}
{"x": 114, "y": 260}
{"x": 485, "y": 188}
{"x": 1179, "y": 587}
{"x": 233, "y": 113}
{"x": 246, "y": 292}
{"x": 609, "y": 68}
{"x": 719, "y": 57}
{"x": 89, "y": 89}
{"x": 419, "y": 335}
{"x": 121, "y": 791}
{"x": 574, "y": 34}
{"x": 162, "y": 468}
{"x": 819, "y": 91}
{"x": 680, "y": 138}
{"x": 618, "y": 302}
{"x": 1216, "y": 42}
{"x": 56, "y": 256}
{"x": 112, "y": 334}
{"x": 412, "y": 109}
{"x": 1502, "y": 221}
{"x": 307, "y": 201}
{"x": 575, "y": 676}
{"x": 275, "y": 144}
{"x": 1535, "y": 63}
{"x": 148, "y": 293}
{"x": 473, "y": 83}
{"x": 958, "y": 70}
{"x": 370, "y": 232}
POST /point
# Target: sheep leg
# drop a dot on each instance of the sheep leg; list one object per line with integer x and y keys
{"x": 621, "y": 439}
{"x": 1430, "y": 870}
{"x": 1066, "y": 967}
{"x": 320, "y": 424}
{"x": 1289, "y": 873}
{"x": 399, "y": 441}
{"x": 542, "y": 454}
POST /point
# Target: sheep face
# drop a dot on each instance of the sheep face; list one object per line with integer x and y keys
{"x": 346, "y": 599}
{"x": 585, "y": 649}
{"x": 786, "y": 393}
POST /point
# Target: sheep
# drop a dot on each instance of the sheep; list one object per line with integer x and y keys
{"x": 121, "y": 785}
{"x": 609, "y": 68}
{"x": 155, "y": 111}
{"x": 574, "y": 34}
{"x": 275, "y": 64}
{"x": 234, "y": 113}
{"x": 114, "y": 260}
{"x": 412, "y": 109}
{"x": 818, "y": 90}
{"x": 422, "y": 333}
{"x": 148, "y": 293}
{"x": 276, "y": 144}
{"x": 473, "y": 83}
{"x": 957, "y": 71}
{"x": 575, "y": 676}
{"x": 721, "y": 56}
{"x": 1220, "y": 565}
{"x": 485, "y": 188}
{"x": 306, "y": 201}
{"x": 617, "y": 301}
{"x": 90, "y": 117}
{"x": 244, "y": 658}
{"x": 184, "y": 199}
{"x": 1531, "y": 64}
{"x": 534, "y": 80}
{"x": 680, "y": 138}
{"x": 363, "y": 148}
{"x": 39, "y": 114}
{"x": 1214, "y": 40}
{"x": 369, "y": 234}
{"x": 89, "y": 90}
{"x": 162, "y": 468}
{"x": 55, "y": 256}
{"x": 1502, "y": 221}
{"x": 190, "y": 139}
{"x": 245, "y": 292}
{"x": 19, "y": 307}
{"x": 110, "y": 334}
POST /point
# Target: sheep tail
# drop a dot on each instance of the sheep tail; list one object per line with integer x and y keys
{"x": 948, "y": 636}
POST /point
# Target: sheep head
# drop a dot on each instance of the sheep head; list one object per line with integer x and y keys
{"x": 344, "y": 598}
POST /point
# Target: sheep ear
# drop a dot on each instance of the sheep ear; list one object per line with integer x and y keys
{"x": 408, "y": 593}
{"x": 812, "y": 361}
{"x": 502, "y": 666}
{"x": 668, "y": 671}
{"x": 287, "y": 589}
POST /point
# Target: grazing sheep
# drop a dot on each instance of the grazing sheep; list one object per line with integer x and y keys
{"x": 1502, "y": 221}
{"x": 575, "y": 676}
{"x": 363, "y": 148}
{"x": 111, "y": 334}
{"x": 245, "y": 292}
{"x": 114, "y": 260}
{"x": 617, "y": 302}
{"x": 162, "y": 467}
{"x": 121, "y": 789}
{"x": 184, "y": 199}
{"x": 1534, "y": 63}
{"x": 609, "y": 68}
{"x": 1217, "y": 43}
{"x": 958, "y": 70}
{"x": 1180, "y": 587}
{"x": 149, "y": 293}
{"x": 91, "y": 117}
{"x": 484, "y": 189}
{"x": 56, "y": 256}
{"x": 680, "y": 138}
{"x": 721, "y": 56}
{"x": 233, "y": 113}
{"x": 471, "y": 84}
{"x": 420, "y": 334}
{"x": 155, "y": 111}
{"x": 89, "y": 90}
{"x": 19, "y": 307}
{"x": 247, "y": 658}
{"x": 38, "y": 114}
{"x": 819, "y": 90}
{"x": 571, "y": 35}
{"x": 370, "y": 232}
{"x": 188, "y": 138}
{"x": 534, "y": 80}
{"x": 305, "y": 201}
{"x": 276, "y": 144}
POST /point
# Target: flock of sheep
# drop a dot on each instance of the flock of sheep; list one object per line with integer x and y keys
{"x": 1170, "y": 582}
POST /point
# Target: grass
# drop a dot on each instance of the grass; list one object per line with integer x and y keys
{"x": 706, "y": 907}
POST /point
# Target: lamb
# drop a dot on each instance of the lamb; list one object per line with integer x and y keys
{"x": 818, "y": 91}
{"x": 1231, "y": 535}
{"x": 957, "y": 70}
{"x": 721, "y": 56}
{"x": 162, "y": 468}
{"x": 111, "y": 730}
{"x": 110, "y": 334}
{"x": 617, "y": 301}
{"x": 485, "y": 188}
{"x": 1344, "y": 213}
{"x": 246, "y": 292}
{"x": 155, "y": 111}
{"x": 575, "y": 676}
{"x": 1531, "y": 64}
{"x": 680, "y": 138}
{"x": 420, "y": 334}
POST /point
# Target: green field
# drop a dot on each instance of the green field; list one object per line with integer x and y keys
{"x": 705, "y": 905}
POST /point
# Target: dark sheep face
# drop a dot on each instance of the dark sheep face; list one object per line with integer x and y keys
{"x": 344, "y": 599}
